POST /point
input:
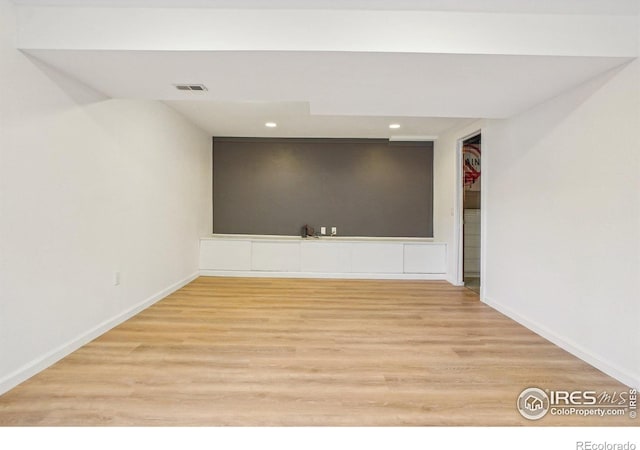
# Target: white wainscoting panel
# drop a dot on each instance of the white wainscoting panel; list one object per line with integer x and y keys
{"x": 279, "y": 256}
{"x": 425, "y": 258}
{"x": 225, "y": 254}
{"x": 325, "y": 257}
{"x": 377, "y": 258}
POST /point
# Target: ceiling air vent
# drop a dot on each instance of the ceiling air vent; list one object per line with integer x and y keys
{"x": 191, "y": 87}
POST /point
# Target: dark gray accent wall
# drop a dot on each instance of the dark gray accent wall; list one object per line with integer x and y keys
{"x": 365, "y": 187}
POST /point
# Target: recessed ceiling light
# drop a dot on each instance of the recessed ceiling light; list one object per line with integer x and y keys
{"x": 394, "y": 126}
{"x": 270, "y": 124}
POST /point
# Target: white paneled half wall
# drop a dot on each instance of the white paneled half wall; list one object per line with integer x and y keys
{"x": 331, "y": 257}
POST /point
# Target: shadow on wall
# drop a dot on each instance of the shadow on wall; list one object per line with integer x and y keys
{"x": 76, "y": 89}
{"x": 547, "y": 120}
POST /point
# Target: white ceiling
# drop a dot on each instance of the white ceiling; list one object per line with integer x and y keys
{"x": 423, "y": 91}
{"x": 615, "y": 7}
{"x": 347, "y": 91}
{"x": 247, "y": 119}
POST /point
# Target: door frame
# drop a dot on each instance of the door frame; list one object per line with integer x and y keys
{"x": 459, "y": 213}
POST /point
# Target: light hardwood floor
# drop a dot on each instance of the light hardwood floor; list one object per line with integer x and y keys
{"x": 233, "y": 351}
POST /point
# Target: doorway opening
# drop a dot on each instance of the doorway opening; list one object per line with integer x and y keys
{"x": 471, "y": 207}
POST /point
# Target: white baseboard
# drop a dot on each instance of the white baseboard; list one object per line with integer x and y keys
{"x": 600, "y": 363}
{"x": 349, "y": 276}
{"x": 39, "y": 364}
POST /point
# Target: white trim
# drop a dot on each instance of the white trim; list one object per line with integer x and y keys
{"x": 413, "y": 138}
{"x": 39, "y": 364}
{"x": 458, "y": 217}
{"x": 349, "y": 276}
{"x": 327, "y": 238}
{"x": 597, "y": 361}
{"x": 484, "y": 189}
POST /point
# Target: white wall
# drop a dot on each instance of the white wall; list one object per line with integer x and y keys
{"x": 444, "y": 192}
{"x": 88, "y": 186}
{"x": 562, "y": 203}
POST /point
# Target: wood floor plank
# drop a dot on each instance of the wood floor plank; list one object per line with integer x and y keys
{"x": 285, "y": 352}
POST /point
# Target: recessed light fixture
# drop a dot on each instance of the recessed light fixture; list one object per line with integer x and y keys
{"x": 270, "y": 124}
{"x": 394, "y": 126}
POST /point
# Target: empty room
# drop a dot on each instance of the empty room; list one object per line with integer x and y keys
{"x": 322, "y": 213}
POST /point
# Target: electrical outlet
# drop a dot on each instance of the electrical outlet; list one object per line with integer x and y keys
{"x": 334, "y": 231}
{"x": 116, "y": 278}
{"x": 323, "y": 230}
